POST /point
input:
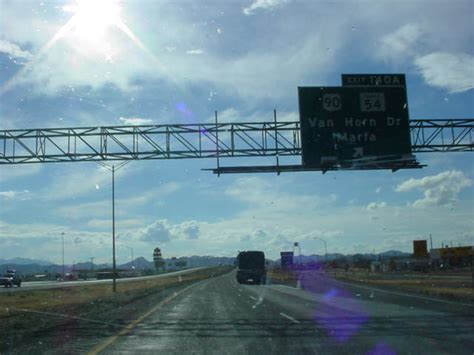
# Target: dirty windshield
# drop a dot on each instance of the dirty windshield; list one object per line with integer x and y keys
{"x": 245, "y": 176}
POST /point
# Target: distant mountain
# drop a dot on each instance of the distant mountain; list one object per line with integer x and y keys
{"x": 88, "y": 266}
{"x": 32, "y": 266}
{"x": 24, "y": 261}
{"x": 394, "y": 253}
{"x": 349, "y": 257}
{"x": 199, "y": 261}
{"x": 139, "y": 264}
{"x": 315, "y": 258}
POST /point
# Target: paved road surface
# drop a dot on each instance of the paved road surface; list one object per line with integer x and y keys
{"x": 36, "y": 285}
{"x": 221, "y": 316}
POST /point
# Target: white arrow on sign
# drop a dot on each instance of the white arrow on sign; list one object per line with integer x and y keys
{"x": 358, "y": 152}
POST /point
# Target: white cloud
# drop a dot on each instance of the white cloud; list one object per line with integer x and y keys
{"x": 438, "y": 190}
{"x": 18, "y": 172}
{"x": 378, "y": 190}
{"x": 86, "y": 210}
{"x": 320, "y": 233}
{"x": 121, "y": 223}
{"x": 15, "y": 195}
{"x": 400, "y": 44}
{"x": 195, "y": 51}
{"x": 451, "y": 72}
{"x": 374, "y": 205}
{"x": 161, "y": 231}
{"x": 157, "y": 232}
{"x": 188, "y": 229}
{"x": 227, "y": 115}
{"x": 263, "y": 5}
{"x": 168, "y": 188}
{"x": 74, "y": 181}
{"x": 71, "y": 63}
{"x": 231, "y": 114}
{"x": 135, "y": 121}
{"x": 260, "y": 193}
{"x": 13, "y": 50}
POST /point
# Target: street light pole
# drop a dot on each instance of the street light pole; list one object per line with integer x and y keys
{"x": 326, "y": 251}
{"x": 114, "y": 287}
{"x": 62, "y": 237}
{"x": 92, "y": 265}
{"x": 114, "y": 266}
{"x": 325, "y": 248}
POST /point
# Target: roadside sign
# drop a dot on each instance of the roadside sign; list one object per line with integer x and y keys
{"x": 373, "y": 80}
{"x": 286, "y": 259}
{"x": 341, "y": 125}
{"x": 420, "y": 249}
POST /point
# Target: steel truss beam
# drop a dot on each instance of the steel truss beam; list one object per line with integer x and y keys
{"x": 183, "y": 141}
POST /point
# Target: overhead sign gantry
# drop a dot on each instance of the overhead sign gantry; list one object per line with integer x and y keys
{"x": 362, "y": 124}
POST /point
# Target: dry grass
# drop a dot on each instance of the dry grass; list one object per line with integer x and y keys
{"x": 444, "y": 287}
{"x": 70, "y": 298}
{"x": 452, "y": 288}
{"x": 282, "y": 276}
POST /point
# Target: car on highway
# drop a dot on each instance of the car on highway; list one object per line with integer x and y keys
{"x": 11, "y": 278}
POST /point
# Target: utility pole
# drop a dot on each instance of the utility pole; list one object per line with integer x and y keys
{"x": 62, "y": 237}
{"x": 92, "y": 265}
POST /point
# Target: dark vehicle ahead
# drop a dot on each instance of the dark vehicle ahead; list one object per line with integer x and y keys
{"x": 10, "y": 279}
{"x": 251, "y": 267}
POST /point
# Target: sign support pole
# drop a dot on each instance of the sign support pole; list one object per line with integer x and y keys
{"x": 114, "y": 269}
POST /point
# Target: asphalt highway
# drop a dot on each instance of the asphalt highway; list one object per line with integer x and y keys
{"x": 220, "y": 316}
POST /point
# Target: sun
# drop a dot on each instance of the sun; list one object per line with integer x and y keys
{"x": 92, "y": 18}
{"x": 86, "y": 31}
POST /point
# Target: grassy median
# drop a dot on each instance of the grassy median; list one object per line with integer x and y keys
{"x": 460, "y": 289}
{"x": 284, "y": 277}
{"x": 454, "y": 288}
{"x": 37, "y": 315}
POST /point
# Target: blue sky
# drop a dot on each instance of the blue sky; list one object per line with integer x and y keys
{"x": 136, "y": 62}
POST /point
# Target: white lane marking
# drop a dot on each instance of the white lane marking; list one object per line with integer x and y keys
{"x": 424, "y": 298}
{"x": 258, "y": 303}
{"x": 289, "y": 317}
{"x": 286, "y": 286}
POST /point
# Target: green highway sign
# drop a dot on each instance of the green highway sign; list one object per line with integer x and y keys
{"x": 341, "y": 125}
{"x": 373, "y": 80}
